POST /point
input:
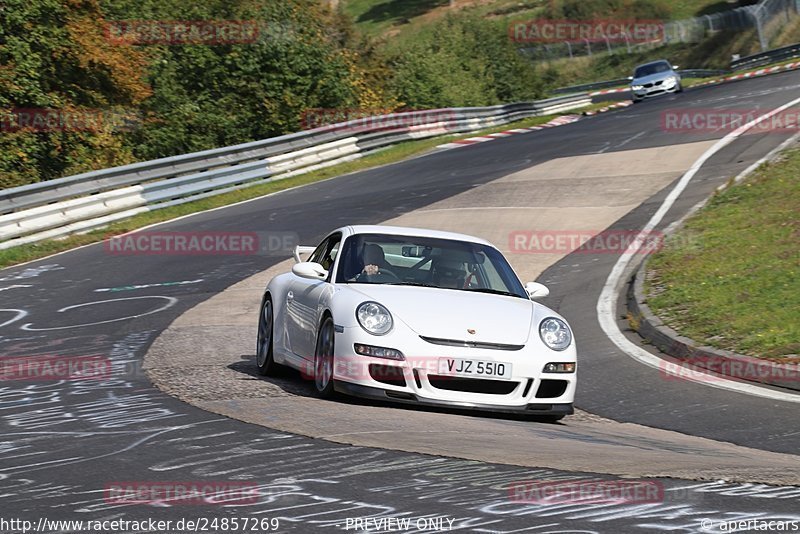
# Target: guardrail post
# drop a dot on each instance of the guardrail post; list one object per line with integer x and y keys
{"x": 761, "y": 37}
{"x": 569, "y": 46}
{"x": 685, "y": 35}
{"x": 588, "y": 47}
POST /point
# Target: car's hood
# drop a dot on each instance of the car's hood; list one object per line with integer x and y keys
{"x": 652, "y": 78}
{"x": 450, "y": 313}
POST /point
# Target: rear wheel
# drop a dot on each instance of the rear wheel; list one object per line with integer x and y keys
{"x": 264, "y": 353}
{"x": 323, "y": 359}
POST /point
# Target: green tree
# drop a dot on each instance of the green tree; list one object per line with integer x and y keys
{"x": 214, "y": 95}
{"x": 53, "y": 56}
{"x": 462, "y": 61}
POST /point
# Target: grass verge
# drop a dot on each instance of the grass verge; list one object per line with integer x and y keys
{"x": 730, "y": 278}
{"x": 33, "y": 251}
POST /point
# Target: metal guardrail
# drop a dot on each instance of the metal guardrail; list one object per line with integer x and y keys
{"x": 591, "y": 86}
{"x": 92, "y": 200}
{"x": 702, "y": 73}
{"x": 765, "y": 58}
{"x": 688, "y": 73}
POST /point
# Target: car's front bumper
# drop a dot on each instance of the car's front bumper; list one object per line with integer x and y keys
{"x": 418, "y": 379}
{"x": 655, "y": 89}
{"x": 368, "y": 392}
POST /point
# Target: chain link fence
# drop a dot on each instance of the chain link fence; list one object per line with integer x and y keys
{"x": 768, "y": 17}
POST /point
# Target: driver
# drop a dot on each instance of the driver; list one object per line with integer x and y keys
{"x": 374, "y": 259}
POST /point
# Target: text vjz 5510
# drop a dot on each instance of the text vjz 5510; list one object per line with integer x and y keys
{"x": 474, "y": 368}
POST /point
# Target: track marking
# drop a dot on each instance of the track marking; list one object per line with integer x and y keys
{"x": 631, "y": 138}
{"x": 170, "y": 302}
{"x": 19, "y": 315}
{"x": 14, "y": 287}
{"x": 606, "y": 304}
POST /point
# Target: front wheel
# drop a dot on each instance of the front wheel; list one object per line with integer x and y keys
{"x": 264, "y": 350}
{"x": 323, "y": 359}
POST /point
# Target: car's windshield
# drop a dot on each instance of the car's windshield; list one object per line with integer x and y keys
{"x": 652, "y": 68}
{"x": 430, "y": 262}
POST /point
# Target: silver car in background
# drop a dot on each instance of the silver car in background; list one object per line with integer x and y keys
{"x": 655, "y": 78}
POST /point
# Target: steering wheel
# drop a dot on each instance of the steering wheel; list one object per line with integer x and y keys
{"x": 381, "y": 272}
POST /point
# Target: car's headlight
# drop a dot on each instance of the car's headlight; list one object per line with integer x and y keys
{"x": 374, "y": 318}
{"x": 555, "y": 333}
{"x": 671, "y": 79}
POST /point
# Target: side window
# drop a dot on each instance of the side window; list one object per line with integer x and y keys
{"x": 330, "y": 252}
{"x": 325, "y": 253}
{"x": 319, "y": 252}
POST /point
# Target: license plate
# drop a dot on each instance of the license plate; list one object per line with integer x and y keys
{"x": 474, "y": 368}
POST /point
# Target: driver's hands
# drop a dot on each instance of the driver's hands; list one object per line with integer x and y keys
{"x": 370, "y": 269}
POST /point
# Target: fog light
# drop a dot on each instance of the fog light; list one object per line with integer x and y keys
{"x": 378, "y": 352}
{"x": 560, "y": 367}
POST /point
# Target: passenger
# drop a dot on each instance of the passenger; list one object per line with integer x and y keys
{"x": 449, "y": 274}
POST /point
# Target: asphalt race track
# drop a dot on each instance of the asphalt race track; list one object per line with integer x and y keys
{"x": 66, "y": 444}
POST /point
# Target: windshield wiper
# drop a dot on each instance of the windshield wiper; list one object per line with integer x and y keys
{"x": 417, "y": 284}
{"x": 493, "y": 292}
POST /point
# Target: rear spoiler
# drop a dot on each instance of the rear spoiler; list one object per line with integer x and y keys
{"x": 300, "y": 249}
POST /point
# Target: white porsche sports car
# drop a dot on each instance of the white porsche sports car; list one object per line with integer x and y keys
{"x": 420, "y": 316}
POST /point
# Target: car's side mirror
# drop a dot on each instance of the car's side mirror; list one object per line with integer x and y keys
{"x": 310, "y": 270}
{"x": 536, "y": 290}
{"x": 675, "y": 67}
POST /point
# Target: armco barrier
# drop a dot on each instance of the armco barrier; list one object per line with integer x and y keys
{"x": 591, "y": 86}
{"x": 687, "y": 73}
{"x": 91, "y": 200}
{"x": 765, "y": 58}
